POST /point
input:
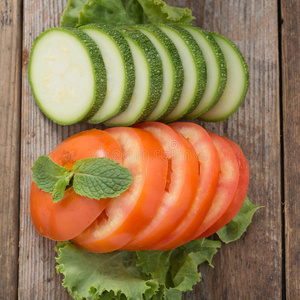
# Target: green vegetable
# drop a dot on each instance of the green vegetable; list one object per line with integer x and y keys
{"x": 67, "y": 74}
{"x": 60, "y": 187}
{"x": 238, "y": 225}
{"x": 123, "y": 12}
{"x": 131, "y": 275}
{"x": 100, "y": 178}
{"x": 46, "y": 173}
{"x": 95, "y": 178}
{"x": 71, "y": 12}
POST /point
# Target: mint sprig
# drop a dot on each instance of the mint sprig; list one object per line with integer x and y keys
{"x": 96, "y": 178}
{"x": 100, "y": 178}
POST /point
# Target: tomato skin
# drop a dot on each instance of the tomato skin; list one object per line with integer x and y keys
{"x": 127, "y": 214}
{"x": 240, "y": 193}
{"x": 178, "y": 195}
{"x": 66, "y": 219}
{"x": 227, "y": 184}
{"x": 209, "y": 169}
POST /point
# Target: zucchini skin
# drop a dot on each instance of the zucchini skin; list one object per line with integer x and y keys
{"x": 124, "y": 48}
{"x": 176, "y": 64}
{"x": 245, "y": 88}
{"x": 218, "y": 54}
{"x": 156, "y": 70}
{"x": 199, "y": 62}
{"x": 97, "y": 63}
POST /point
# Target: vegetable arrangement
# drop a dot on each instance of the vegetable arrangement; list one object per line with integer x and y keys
{"x": 125, "y": 62}
{"x": 163, "y": 189}
{"x": 132, "y": 207}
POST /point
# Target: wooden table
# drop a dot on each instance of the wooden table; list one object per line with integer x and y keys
{"x": 264, "y": 264}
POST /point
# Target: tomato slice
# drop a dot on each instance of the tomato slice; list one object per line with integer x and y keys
{"x": 240, "y": 193}
{"x": 227, "y": 184}
{"x": 66, "y": 219}
{"x": 127, "y": 214}
{"x": 209, "y": 169}
{"x": 180, "y": 189}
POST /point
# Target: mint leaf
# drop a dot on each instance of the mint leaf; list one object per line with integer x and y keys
{"x": 46, "y": 173}
{"x": 60, "y": 187}
{"x": 95, "y": 178}
{"x": 98, "y": 178}
{"x": 111, "y": 275}
{"x": 238, "y": 225}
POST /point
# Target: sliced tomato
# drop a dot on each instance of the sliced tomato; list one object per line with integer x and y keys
{"x": 127, "y": 214}
{"x": 209, "y": 169}
{"x": 66, "y": 219}
{"x": 227, "y": 184}
{"x": 180, "y": 189}
{"x": 240, "y": 193}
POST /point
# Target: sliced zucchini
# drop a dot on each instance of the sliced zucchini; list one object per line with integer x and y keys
{"x": 172, "y": 71}
{"x": 67, "y": 75}
{"x": 194, "y": 71}
{"x": 237, "y": 82}
{"x": 216, "y": 70}
{"x": 148, "y": 83}
{"x": 119, "y": 69}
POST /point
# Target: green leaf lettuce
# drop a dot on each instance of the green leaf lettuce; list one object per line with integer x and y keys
{"x": 122, "y": 12}
{"x": 238, "y": 225}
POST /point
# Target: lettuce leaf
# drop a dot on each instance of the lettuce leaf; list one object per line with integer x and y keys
{"x": 104, "y": 12}
{"x": 131, "y": 275}
{"x": 122, "y": 12}
{"x": 71, "y": 13}
{"x": 157, "y": 11}
{"x": 104, "y": 276}
{"x": 239, "y": 224}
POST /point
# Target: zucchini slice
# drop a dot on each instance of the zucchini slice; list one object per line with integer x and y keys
{"x": 194, "y": 70}
{"x": 237, "y": 82}
{"x": 148, "y": 79}
{"x": 119, "y": 68}
{"x": 216, "y": 70}
{"x": 67, "y": 75}
{"x": 172, "y": 71}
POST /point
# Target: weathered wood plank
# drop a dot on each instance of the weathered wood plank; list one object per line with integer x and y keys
{"x": 251, "y": 267}
{"x": 39, "y": 135}
{"x": 10, "y": 98}
{"x": 247, "y": 269}
{"x": 290, "y": 44}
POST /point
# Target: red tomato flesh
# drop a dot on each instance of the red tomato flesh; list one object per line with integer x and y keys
{"x": 179, "y": 192}
{"x": 227, "y": 184}
{"x": 240, "y": 193}
{"x": 66, "y": 219}
{"x": 209, "y": 169}
{"x": 127, "y": 214}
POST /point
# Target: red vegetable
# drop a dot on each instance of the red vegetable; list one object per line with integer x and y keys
{"x": 127, "y": 214}
{"x": 69, "y": 217}
{"x": 227, "y": 184}
{"x": 240, "y": 193}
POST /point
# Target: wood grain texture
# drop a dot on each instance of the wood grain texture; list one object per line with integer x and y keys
{"x": 290, "y": 10}
{"x": 248, "y": 269}
{"x": 37, "y": 274}
{"x": 10, "y": 99}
